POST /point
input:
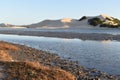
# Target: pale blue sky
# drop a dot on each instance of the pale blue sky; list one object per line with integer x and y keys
{"x": 31, "y": 11}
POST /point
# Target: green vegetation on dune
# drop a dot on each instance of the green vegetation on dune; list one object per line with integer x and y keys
{"x": 95, "y": 21}
{"x": 110, "y": 23}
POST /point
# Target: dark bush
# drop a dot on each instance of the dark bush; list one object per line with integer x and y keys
{"x": 83, "y": 18}
{"x": 108, "y": 19}
{"x": 109, "y": 26}
{"x": 94, "y": 21}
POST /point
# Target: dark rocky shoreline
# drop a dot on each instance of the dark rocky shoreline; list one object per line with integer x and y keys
{"x": 51, "y": 59}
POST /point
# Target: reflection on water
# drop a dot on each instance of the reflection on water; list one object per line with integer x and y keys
{"x": 73, "y": 30}
{"x": 103, "y": 55}
{"x": 106, "y": 41}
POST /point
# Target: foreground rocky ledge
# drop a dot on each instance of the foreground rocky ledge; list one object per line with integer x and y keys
{"x": 20, "y": 62}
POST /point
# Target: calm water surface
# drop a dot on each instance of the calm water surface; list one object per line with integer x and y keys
{"x": 89, "y": 30}
{"x": 103, "y": 55}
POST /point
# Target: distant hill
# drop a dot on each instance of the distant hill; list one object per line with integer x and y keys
{"x": 102, "y": 20}
{"x": 48, "y": 23}
{"x": 6, "y": 25}
{"x": 84, "y": 22}
{"x": 10, "y": 25}
{"x": 61, "y": 23}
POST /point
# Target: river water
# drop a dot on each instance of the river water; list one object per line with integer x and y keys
{"x": 103, "y": 55}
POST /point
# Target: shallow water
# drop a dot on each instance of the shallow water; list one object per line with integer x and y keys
{"x": 103, "y": 55}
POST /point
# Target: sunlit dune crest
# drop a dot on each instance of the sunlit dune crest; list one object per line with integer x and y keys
{"x": 106, "y": 16}
{"x": 66, "y": 20}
